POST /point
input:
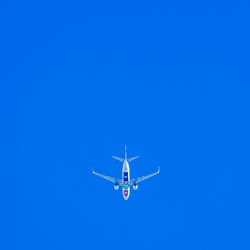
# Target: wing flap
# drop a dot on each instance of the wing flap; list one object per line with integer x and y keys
{"x": 143, "y": 178}
{"x": 108, "y": 178}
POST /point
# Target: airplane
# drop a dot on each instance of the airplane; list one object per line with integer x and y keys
{"x": 126, "y": 183}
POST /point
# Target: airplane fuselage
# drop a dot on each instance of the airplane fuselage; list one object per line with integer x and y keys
{"x": 125, "y": 180}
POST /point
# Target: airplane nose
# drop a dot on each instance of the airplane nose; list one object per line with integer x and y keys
{"x": 125, "y": 197}
{"x": 125, "y": 194}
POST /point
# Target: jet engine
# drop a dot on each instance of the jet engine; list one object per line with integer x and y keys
{"x": 135, "y": 186}
{"x": 116, "y": 186}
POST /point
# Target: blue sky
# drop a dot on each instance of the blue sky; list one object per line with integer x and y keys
{"x": 79, "y": 80}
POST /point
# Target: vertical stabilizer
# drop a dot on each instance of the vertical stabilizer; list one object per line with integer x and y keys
{"x": 125, "y": 152}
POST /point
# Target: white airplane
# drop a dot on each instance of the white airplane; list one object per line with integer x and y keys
{"x": 126, "y": 182}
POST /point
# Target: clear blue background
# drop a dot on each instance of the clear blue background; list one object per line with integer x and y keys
{"x": 79, "y": 80}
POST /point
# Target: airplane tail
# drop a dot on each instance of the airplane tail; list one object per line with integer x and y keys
{"x": 123, "y": 159}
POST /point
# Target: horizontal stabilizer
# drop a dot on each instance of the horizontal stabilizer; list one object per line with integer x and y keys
{"x": 118, "y": 158}
{"x": 133, "y": 158}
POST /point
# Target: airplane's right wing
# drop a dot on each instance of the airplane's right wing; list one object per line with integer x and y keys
{"x": 136, "y": 180}
{"x": 112, "y": 179}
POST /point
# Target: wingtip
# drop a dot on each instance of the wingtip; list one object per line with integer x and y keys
{"x": 159, "y": 169}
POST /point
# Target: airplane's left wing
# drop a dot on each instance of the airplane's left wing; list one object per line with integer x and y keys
{"x": 136, "y": 180}
{"x": 112, "y": 179}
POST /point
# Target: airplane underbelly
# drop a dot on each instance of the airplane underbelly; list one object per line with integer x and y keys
{"x": 125, "y": 182}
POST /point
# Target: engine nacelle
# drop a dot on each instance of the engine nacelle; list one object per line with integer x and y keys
{"x": 116, "y": 186}
{"x": 135, "y": 186}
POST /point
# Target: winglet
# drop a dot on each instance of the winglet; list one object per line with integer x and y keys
{"x": 158, "y": 170}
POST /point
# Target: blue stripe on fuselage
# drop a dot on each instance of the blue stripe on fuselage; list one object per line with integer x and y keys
{"x": 125, "y": 176}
